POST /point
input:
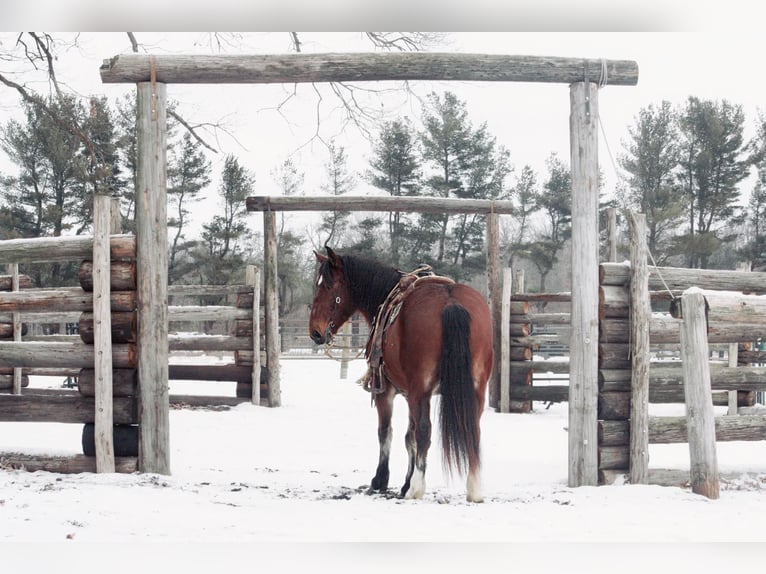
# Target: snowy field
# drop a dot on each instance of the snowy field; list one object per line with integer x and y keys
{"x": 298, "y": 474}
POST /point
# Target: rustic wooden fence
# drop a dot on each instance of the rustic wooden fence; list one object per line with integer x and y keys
{"x": 632, "y": 342}
{"x": 105, "y": 397}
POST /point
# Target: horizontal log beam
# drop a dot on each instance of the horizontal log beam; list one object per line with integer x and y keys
{"x": 670, "y": 430}
{"x": 676, "y": 278}
{"x": 564, "y": 297}
{"x": 73, "y": 355}
{"x": 209, "y": 343}
{"x": 63, "y": 248}
{"x": 362, "y": 67}
{"x": 192, "y": 313}
{"x": 378, "y": 203}
{"x": 122, "y": 275}
{"x": 545, "y": 393}
{"x": 669, "y": 376}
{"x": 63, "y": 299}
{"x": 207, "y": 290}
{"x": 62, "y": 407}
{"x": 6, "y": 282}
{"x": 75, "y": 464}
{"x": 664, "y": 329}
{"x": 210, "y": 373}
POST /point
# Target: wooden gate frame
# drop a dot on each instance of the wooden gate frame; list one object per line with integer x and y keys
{"x": 152, "y": 72}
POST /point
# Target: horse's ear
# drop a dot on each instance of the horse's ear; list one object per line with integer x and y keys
{"x": 333, "y": 257}
{"x": 321, "y": 258}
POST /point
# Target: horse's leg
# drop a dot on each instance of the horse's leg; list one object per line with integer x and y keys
{"x": 384, "y": 404}
{"x": 418, "y": 441}
{"x": 473, "y": 481}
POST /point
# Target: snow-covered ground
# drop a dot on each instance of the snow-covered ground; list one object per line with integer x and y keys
{"x": 298, "y": 473}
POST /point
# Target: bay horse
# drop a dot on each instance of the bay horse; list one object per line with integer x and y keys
{"x": 437, "y": 339}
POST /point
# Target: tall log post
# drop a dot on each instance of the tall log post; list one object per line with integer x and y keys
{"x": 17, "y": 328}
{"x": 271, "y": 306}
{"x": 102, "y": 334}
{"x": 494, "y": 288}
{"x": 505, "y": 337}
{"x": 583, "y": 347}
{"x": 253, "y": 278}
{"x": 152, "y": 264}
{"x": 699, "y": 408}
{"x": 640, "y": 317}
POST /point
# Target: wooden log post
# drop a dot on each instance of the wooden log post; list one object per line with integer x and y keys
{"x": 640, "y": 317}
{"x": 102, "y": 334}
{"x": 152, "y": 279}
{"x": 699, "y": 408}
{"x": 505, "y": 340}
{"x": 583, "y": 385}
{"x": 253, "y": 279}
{"x": 271, "y": 307}
{"x": 17, "y": 328}
{"x": 494, "y": 288}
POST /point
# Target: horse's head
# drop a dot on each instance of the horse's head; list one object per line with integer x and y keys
{"x": 332, "y": 304}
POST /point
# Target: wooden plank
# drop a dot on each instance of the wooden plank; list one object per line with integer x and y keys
{"x": 640, "y": 317}
{"x": 253, "y": 280}
{"x": 152, "y": 265}
{"x": 583, "y": 351}
{"x": 699, "y": 408}
{"x": 360, "y": 67}
{"x": 102, "y": 334}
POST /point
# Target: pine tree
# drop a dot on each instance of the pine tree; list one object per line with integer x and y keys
{"x": 223, "y": 250}
{"x": 713, "y": 164}
{"x": 334, "y": 224}
{"x": 652, "y": 161}
{"x": 188, "y": 175}
{"x": 555, "y": 203}
{"x": 395, "y": 169}
{"x": 467, "y": 163}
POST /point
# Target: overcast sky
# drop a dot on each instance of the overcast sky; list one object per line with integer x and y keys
{"x": 530, "y": 120}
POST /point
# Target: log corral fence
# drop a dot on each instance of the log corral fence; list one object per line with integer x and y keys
{"x": 103, "y": 359}
{"x": 583, "y": 76}
{"x": 633, "y": 343}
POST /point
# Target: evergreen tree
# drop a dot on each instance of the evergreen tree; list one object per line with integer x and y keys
{"x": 524, "y": 195}
{"x": 395, "y": 168}
{"x": 555, "y": 203}
{"x": 188, "y": 175}
{"x": 713, "y": 164}
{"x": 467, "y": 164}
{"x": 334, "y": 224}
{"x": 223, "y": 248}
{"x": 652, "y": 160}
{"x": 46, "y": 196}
{"x": 290, "y": 262}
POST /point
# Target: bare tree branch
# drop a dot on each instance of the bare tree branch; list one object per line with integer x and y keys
{"x": 296, "y": 41}
{"x": 133, "y": 41}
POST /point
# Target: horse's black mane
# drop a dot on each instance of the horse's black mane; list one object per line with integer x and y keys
{"x": 369, "y": 281}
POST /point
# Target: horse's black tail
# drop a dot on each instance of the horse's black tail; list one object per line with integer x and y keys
{"x": 459, "y": 413}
